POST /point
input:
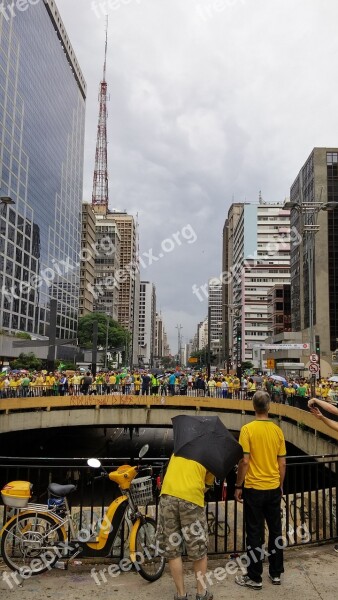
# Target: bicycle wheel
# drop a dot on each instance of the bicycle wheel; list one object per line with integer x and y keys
{"x": 148, "y": 563}
{"x": 29, "y": 543}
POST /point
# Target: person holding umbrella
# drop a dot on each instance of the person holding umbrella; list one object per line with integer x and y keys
{"x": 203, "y": 449}
{"x": 261, "y": 471}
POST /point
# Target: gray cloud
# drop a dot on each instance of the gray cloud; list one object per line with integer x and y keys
{"x": 206, "y": 105}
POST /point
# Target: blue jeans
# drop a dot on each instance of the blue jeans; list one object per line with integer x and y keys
{"x": 260, "y": 506}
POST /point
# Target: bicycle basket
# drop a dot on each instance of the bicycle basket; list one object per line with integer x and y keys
{"x": 141, "y": 490}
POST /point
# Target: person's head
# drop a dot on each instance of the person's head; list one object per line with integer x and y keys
{"x": 261, "y": 402}
{"x": 88, "y": 373}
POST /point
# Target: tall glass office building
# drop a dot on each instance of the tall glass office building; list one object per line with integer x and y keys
{"x": 42, "y": 112}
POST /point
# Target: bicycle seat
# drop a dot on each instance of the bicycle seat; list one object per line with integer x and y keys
{"x": 61, "y": 490}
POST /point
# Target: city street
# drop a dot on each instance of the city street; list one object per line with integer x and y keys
{"x": 310, "y": 573}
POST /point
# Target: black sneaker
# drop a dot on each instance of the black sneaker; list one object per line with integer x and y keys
{"x": 245, "y": 581}
{"x": 177, "y": 597}
{"x": 274, "y": 580}
{"x": 206, "y": 596}
{"x": 335, "y": 547}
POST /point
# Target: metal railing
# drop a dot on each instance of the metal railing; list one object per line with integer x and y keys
{"x": 309, "y": 506}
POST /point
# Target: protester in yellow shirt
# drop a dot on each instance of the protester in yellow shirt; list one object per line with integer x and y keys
{"x": 262, "y": 472}
{"x": 182, "y": 510}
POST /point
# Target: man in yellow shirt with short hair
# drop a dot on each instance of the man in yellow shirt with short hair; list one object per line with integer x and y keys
{"x": 262, "y": 472}
{"x": 182, "y": 518}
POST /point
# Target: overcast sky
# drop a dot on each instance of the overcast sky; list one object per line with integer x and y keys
{"x": 210, "y": 102}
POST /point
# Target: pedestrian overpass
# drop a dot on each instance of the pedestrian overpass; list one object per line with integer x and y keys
{"x": 300, "y": 427}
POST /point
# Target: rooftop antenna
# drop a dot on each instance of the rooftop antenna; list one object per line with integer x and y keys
{"x": 100, "y": 181}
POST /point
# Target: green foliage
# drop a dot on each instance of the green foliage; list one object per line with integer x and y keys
{"x": 23, "y": 335}
{"x": 168, "y": 362}
{"x": 202, "y": 356}
{"x": 65, "y": 365}
{"x": 118, "y": 337}
{"x": 247, "y": 365}
{"x": 26, "y": 361}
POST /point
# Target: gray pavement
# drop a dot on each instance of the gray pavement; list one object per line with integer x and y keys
{"x": 310, "y": 574}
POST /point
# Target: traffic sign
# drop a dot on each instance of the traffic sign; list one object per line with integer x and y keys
{"x": 314, "y": 368}
{"x": 314, "y": 358}
{"x": 270, "y": 363}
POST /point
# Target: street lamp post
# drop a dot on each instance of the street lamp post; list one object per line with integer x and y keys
{"x": 310, "y": 228}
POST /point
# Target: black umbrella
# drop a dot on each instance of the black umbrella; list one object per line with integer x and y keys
{"x": 207, "y": 441}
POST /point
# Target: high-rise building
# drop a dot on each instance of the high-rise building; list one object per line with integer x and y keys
{"x": 315, "y": 186}
{"x": 161, "y": 341}
{"x": 159, "y": 337}
{"x": 279, "y": 309}
{"x": 108, "y": 274}
{"x": 261, "y": 259}
{"x": 202, "y": 334}
{"x": 166, "y": 347}
{"x": 42, "y": 111}
{"x": 215, "y": 316}
{"x": 230, "y": 225}
{"x": 129, "y": 292}
{"x": 147, "y": 324}
{"x": 87, "y": 266}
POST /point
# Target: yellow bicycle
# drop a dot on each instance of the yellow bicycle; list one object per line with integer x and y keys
{"x": 35, "y": 538}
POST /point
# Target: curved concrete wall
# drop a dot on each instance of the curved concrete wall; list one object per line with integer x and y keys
{"x": 98, "y": 415}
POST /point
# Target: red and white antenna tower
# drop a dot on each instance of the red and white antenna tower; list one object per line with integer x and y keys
{"x": 100, "y": 182}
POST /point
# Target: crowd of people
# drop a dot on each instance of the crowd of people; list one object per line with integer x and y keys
{"x": 291, "y": 391}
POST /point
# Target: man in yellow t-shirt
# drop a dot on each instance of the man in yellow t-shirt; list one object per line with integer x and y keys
{"x": 182, "y": 518}
{"x": 262, "y": 471}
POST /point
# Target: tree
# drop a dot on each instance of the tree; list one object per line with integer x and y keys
{"x": 168, "y": 362}
{"x": 202, "y": 356}
{"x": 26, "y": 361}
{"x": 247, "y": 365}
{"x": 118, "y": 337}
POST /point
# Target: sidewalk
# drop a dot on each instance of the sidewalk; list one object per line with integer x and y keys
{"x": 310, "y": 573}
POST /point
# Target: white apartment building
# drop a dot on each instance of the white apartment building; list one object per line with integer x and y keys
{"x": 161, "y": 341}
{"x": 261, "y": 259}
{"x": 107, "y": 264}
{"x": 202, "y": 334}
{"x": 215, "y": 314}
{"x": 147, "y": 324}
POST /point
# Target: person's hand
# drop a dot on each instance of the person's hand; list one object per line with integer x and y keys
{"x": 238, "y": 495}
{"x": 311, "y": 402}
{"x": 316, "y": 412}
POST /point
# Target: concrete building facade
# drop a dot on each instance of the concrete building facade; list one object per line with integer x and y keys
{"x": 230, "y": 225}
{"x": 215, "y": 316}
{"x": 129, "y": 290}
{"x": 107, "y": 279}
{"x": 202, "y": 334}
{"x": 261, "y": 259}
{"x": 315, "y": 186}
{"x": 87, "y": 265}
{"x": 147, "y": 324}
